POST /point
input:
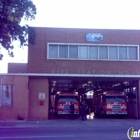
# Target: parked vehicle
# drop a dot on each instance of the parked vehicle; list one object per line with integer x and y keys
{"x": 110, "y": 103}
{"x": 63, "y": 101}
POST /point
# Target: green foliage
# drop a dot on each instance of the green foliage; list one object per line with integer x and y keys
{"x": 11, "y": 14}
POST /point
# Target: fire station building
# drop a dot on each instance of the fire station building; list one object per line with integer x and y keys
{"x": 68, "y": 59}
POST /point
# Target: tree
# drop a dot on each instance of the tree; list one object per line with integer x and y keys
{"x": 12, "y": 12}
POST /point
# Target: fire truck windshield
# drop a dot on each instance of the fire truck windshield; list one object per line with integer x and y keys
{"x": 115, "y": 99}
{"x": 67, "y": 100}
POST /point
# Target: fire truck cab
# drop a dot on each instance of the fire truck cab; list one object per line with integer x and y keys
{"x": 63, "y": 101}
{"x": 110, "y": 103}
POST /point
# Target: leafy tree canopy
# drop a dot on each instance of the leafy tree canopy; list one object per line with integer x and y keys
{"x": 12, "y": 12}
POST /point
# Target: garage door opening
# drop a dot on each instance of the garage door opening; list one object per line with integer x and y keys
{"x": 121, "y": 98}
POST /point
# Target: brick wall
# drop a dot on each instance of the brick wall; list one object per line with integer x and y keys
{"x": 17, "y": 67}
{"x": 26, "y": 102}
{"x": 36, "y": 111}
{"x": 38, "y": 62}
{"x": 20, "y": 98}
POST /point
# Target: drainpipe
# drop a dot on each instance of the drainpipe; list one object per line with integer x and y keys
{"x": 1, "y": 90}
{"x": 138, "y": 99}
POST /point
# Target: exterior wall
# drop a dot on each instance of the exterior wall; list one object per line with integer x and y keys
{"x": 27, "y": 105}
{"x": 38, "y": 62}
{"x": 20, "y": 98}
{"x": 26, "y": 102}
{"x": 138, "y": 99}
{"x": 17, "y": 67}
{"x": 36, "y": 111}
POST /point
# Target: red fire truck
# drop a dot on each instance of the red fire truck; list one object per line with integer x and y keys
{"x": 110, "y": 103}
{"x": 63, "y": 101}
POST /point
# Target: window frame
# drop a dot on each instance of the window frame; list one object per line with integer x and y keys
{"x": 96, "y": 45}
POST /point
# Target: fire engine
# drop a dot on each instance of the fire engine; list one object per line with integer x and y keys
{"x": 109, "y": 103}
{"x": 63, "y": 101}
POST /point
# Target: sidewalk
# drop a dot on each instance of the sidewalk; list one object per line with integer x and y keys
{"x": 70, "y": 123}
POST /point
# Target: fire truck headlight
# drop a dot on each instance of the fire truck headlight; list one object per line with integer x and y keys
{"x": 123, "y": 106}
{"x": 109, "y": 106}
{"x": 60, "y": 106}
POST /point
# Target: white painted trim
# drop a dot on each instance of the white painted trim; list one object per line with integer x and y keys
{"x": 56, "y": 43}
{"x": 71, "y": 75}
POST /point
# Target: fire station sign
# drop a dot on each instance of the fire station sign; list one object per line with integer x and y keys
{"x": 94, "y": 37}
{"x": 41, "y": 95}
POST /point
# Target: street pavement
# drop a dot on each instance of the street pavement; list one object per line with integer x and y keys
{"x": 64, "y": 128}
{"x": 100, "y": 122}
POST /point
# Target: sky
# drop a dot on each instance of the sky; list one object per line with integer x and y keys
{"x": 106, "y": 14}
{"x": 95, "y": 14}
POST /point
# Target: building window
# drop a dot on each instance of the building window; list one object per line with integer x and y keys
{"x": 6, "y": 95}
{"x": 123, "y": 53}
{"x": 63, "y": 51}
{"x": 53, "y": 51}
{"x": 83, "y": 52}
{"x": 73, "y": 51}
{"x": 133, "y": 53}
{"x": 93, "y": 52}
{"x": 103, "y": 52}
{"x": 113, "y": 53}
